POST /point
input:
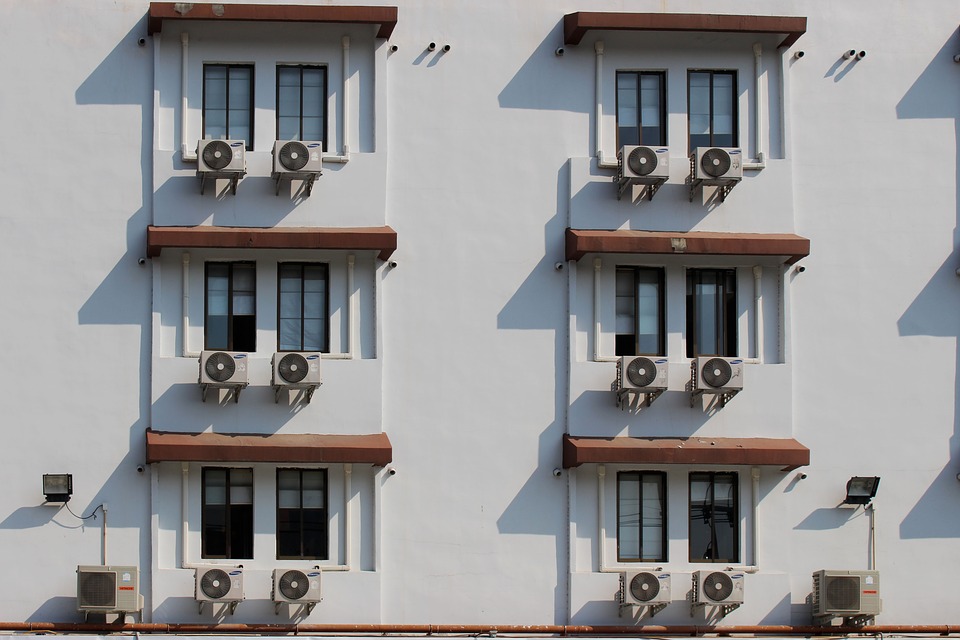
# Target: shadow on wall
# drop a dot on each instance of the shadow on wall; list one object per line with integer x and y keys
{"x": 935, "y": 310}
{"x": 536, "y": 306}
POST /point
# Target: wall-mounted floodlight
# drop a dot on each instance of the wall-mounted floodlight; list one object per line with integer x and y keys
{"x": 861, "y": 489}
{"x": 57, "y": 487}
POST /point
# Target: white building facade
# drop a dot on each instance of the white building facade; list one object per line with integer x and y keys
{"x": 584, "y": 292}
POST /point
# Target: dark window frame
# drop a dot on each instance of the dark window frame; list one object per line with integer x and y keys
{"x": 735, "y": 107}
{"x": 229, "y": 533}
{"x": 230, "y": 294}
{"x": 324, "y": 542}
{"x": 620, "y": 345}
{"x": 663, "y": 527}
{"x": 228, "y": 66}
{"x": 711, "y": 477}
{"x": 324, "y": 90}
{"x": 725, "y": 313}
{"x": 325, "y": 347}
{"x": 662, "y": 76}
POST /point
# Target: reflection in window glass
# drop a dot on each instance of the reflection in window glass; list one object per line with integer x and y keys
{"x": 641, "y": 108}
{"x": 714, "y": 518}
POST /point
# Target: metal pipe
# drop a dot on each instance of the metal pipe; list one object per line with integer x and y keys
{"x": 186, "y": 308}
{"x": 758, "y": 313}
{"x": 477, "y": 629}
{"x": 601, "y": 517}
{"x": 345, "y": 157}
{"x": 185, "y": 153}
{"x": 598, "y": 114}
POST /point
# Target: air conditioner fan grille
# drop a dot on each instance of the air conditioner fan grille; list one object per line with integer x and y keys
{"x": 217, "y": 154}
{"x": 641, "y": 371}
{"x": 220, "y": 366}
{"x": 293, "y": 367}
{"x": 642, "y": 161}
{"x": 716, "y": 372}
{"x": 644, "y": 587}
{"x": 215, "y": 583}
{"x": 718, "y": 586}
{"x": 294, "y": 156}
{"x": 715, "y": 162}
{"x": 98, "y": 589}
{"x": 843, "y": 593}
{"x": 294, "y": 585}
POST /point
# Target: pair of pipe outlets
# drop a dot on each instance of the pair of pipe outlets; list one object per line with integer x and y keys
{"x": 433, "y": 47}
{"x": 854, "y": 54}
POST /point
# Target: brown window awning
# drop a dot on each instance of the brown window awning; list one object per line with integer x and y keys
{"x": 576, "y": 25}
{"x": 781, "y": 452}
{"x": 374, "y": 449}
{"x": 787, "y": 245}
{"x": 381, "y": 239}
{"x": 384, "y": 17}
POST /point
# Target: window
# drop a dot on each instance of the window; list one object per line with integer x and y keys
{"x": 711, "y": 312}
{"x": 228, "y": 102}
{"x": 302, "y": 514}
{"x": 230, "y": 319}
{"x": 227, "y": 518}
{"x": 712, "y": 108}
{"x": 640, "y": 312}
{"x": 714, "y": 518}
{"x": 641, "y": 108}
{"x": 641, "y": 516}
{"x": 302, "y": 320}
{"x": 301, "y": 103}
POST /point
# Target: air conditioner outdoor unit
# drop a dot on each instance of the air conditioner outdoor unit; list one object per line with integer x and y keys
{"x": 642, "y": 373}
{"x": 224, "y": 368}
{"x": 219, "y": 584}
{"x": 713, "y": 374}
{"x": 643, "y": 163}
{"x": 221, "y": 156}
{"x": 718, "y": 165}
{"x": 108, "y": 589}
{"x": 645, "y": 588}
{"x": 296, "y": 157}
{"x": 845, "y": 594}
{"x": 718, "y": 587}
{"x": 293, "y": 586}
{"x": 296, "y": 368}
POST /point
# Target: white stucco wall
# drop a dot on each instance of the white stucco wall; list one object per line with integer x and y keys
{"x": 475, "y": 355}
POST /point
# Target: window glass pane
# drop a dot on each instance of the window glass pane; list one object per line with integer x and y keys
{"x": 648, "y": 305}
{"x": 241, "y": 486}
{"x": 288, "y": 489}
{"x": 239, "y": 87}
{"x": 313, "y": 128}
{"x": 313, "y": 490}
{"x": 289, "y": 101}
{"x": 241, "y": 531}
{"x": 313, "y": 77}
{"x": 625, "y": 301}
{"x": 288, "y": 533}
{"x": 652, "y": 517}
{"x": 215, "y": 486}
{"x": 650, "y": 100}
{"x": 290, "y": 304}
{"x": 723, "y": 104}
{"x": 706, "y": 308}
{"x": 314, "y": 534}
{"x": 313, "y": 101}
{"x": 215, "y": 87}
{"x": 290, "y": 335}
{"x": 313, "y": 336}
{"x": 628, "y": 525}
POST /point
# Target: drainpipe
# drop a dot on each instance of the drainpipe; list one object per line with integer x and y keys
{"x": 601, "y": 517}
{"x": 761, "y": 162}
{"x": 187, "y": 353}
{"x": 350, "y": 312}
{"x": 598, "y": 113}
{"x": 758, "y": 313}
{"x": 345, "y": 128}
{"x": 186, "y": 154}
